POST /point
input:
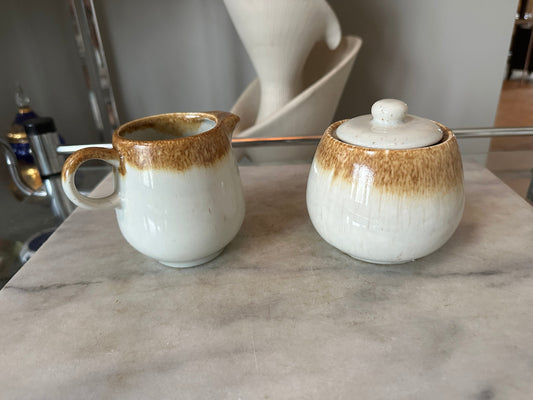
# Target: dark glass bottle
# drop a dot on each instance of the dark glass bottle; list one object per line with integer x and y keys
{"x": 18, "y": 140}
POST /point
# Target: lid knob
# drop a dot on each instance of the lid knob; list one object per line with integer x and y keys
{"x": 389, "y": 111}
{"x": 389, "y": 127}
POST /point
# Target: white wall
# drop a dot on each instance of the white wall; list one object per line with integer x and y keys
{"x": 37, "y": 49}
{"x": 444, "y": 58}
{"x": 169, "y": 55}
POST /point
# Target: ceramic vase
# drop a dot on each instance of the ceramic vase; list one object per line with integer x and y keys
{"x": 302, "y": 66}
{"x": 309, "y": 113}
{"x": 278, "y": 36}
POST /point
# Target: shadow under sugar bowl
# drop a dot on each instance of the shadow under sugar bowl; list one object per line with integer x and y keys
{"x": 386, "y": 188}
{"x": 178, "y": 195}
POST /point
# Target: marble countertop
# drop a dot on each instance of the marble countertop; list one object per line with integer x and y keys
{"x": 280, "y": 314}
{"x": 21, "y": 220}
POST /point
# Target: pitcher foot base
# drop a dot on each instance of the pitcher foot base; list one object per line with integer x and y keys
{"x": 193, "y": 263}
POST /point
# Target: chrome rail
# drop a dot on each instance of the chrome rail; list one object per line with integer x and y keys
{"x": 474, "y": 133}
{"x": 468, "y": 133}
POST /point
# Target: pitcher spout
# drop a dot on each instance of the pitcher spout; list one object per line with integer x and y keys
{"x": 227, "y": 122}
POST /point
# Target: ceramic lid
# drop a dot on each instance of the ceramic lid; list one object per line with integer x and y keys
{"x": 389, "y": 127}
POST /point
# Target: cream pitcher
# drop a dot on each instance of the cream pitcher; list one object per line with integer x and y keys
{"x": 178, "y": 195}
{"x": 387, "y": 187}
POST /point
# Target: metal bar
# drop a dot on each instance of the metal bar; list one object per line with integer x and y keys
{"x": 237, "y": 143}
{"x": 469, "y": 133}
{"x": 95, "y": 67}
{"x": 292, "y": 140}
{"x": 66, "y": 150}
{"x": 473, "y": 133}
{"x": 525, "y": 70}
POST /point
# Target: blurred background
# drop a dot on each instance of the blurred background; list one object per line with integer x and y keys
{"x": 446, "y": 59}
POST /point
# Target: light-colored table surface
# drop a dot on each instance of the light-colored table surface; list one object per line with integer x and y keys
{"x": 280, "y": 314}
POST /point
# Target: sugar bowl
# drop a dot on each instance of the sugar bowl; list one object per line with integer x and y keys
{"x": 386, "y": 188}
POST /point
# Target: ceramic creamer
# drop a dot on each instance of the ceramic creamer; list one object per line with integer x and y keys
{"x": 178, "y": 195}
{"x": 386, "y": 188}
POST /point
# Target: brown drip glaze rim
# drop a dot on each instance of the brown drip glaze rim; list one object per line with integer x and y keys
{"x": 392, "y": 169}
{"x": 153, "y": 122}
{"x": 188, "y": 146}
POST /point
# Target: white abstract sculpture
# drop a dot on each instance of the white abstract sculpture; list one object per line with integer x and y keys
{"x": 279, "y": 35}
{"x": 302, "y": 64}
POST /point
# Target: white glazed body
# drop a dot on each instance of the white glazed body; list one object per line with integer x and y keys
{"x": 356, "y": 208}
{"x": 379, "y": 227}
{"x": 207, "y": 213}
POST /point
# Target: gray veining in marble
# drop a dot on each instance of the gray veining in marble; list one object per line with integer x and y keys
{"x": 280, "y": 314}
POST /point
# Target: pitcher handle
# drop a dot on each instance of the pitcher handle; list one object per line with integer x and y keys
{"x": 72, "y": 164}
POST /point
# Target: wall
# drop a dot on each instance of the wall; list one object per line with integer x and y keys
{"x": 445, "y": 59}
{"x": 38, "y": 50}
{"x": 168, "y": 55}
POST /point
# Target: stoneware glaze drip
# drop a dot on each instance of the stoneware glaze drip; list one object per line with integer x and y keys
{"x": 410, "y": 172}
{"x": 386, "y": 206}
{"x": 192, "y": 141}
